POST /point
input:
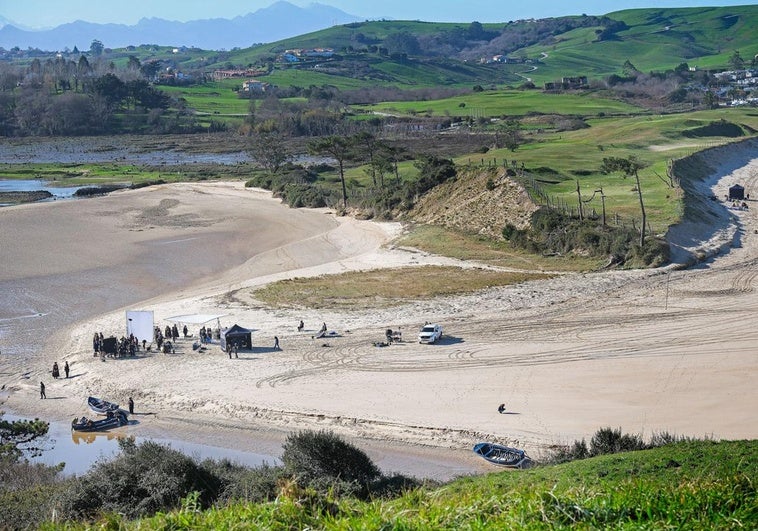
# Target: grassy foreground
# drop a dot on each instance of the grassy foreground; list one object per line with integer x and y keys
{"x": 690, "y": 485}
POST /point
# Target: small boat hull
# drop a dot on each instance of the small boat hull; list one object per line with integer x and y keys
{"x": 502, "y": 455}
{"x": 100, "y": 406}
{"x": 114, "y": 420}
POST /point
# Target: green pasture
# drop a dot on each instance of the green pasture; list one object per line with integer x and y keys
{"x": 212, "y": 98}
{"x": 655, "y": 41}
{"x": 507, "y": 103}
{"x": 306, "y": 77}
{"x": 112, "y": 173}
{"x": 559, "y": 160}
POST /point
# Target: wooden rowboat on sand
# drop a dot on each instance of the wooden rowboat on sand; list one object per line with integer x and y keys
{"x": 502, "y": 455}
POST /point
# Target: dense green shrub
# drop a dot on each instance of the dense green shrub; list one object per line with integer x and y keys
{"x": 304, "y": 195}
{"x": 395, "y": 485}
{"x": 715, "y": 128}
{"x": 613, "y": 441}
{"x": 323, "y": 460}
{"x": 553, "y": 232}
{"x": 509, "y": 230}
{"x": 27, "y": 491}
{"x": 136, "y": 186}
{"x": 433, "y": 171}
{"x": 142, "y": 480}
{"x": 295, "y": 186}
{"x": 98, "y": 190}
{"x": 241, "y": 483}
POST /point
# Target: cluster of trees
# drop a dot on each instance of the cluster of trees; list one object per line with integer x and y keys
{"x": 66, "y": 97}
{"x": 268, "y": 146}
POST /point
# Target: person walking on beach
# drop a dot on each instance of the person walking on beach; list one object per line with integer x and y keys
{"x": 300, "y": 326}
{"x": 131, "y": 405}
{"x": 56, "y": 371}
{"x": 42, "y": 390}
{"x": 184, "y": 331}
{"x": 276, "y": 343}
{"x": 66, "y": 368}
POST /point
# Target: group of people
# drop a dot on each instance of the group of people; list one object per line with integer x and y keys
{"x": 206, "y": 335}
{"x": 57, "y": 372}
{"x": 123, "y": 347}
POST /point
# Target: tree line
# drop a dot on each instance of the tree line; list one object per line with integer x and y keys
{"x": 66, "y": 97}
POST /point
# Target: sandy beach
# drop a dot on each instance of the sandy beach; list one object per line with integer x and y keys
{"x": 669, "y": 349}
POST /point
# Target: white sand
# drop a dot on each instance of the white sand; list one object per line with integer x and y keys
{"x": 643, "y": 350}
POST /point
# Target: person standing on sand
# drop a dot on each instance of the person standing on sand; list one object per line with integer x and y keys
{"x": 66, "y": 368}
{"x": 131, "y": 406}
{"x": 42, "y": 390}
{"x": 300, "y": 326}
{"x": 56, "y": 371}
{"x": 276, "y": 343}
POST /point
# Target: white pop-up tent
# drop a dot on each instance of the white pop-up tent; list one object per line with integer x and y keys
{"x": 140, "y": 324}
{"x": 195, "y": 318}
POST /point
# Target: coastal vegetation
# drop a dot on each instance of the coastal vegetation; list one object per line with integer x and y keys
{"x": 385, "y": 287}
{"x": 617, "y": 480}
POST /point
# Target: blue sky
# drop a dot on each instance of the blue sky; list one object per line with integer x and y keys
{"x": 48, "y": 13}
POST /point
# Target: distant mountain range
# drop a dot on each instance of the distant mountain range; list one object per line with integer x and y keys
{"x": 276, "y": 22}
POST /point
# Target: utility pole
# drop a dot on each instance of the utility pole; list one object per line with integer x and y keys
{"x": 579, "y": 193}
{"x": 602, "y": 199}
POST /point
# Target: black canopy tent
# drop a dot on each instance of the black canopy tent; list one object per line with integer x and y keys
{"x": 236, "y": 335}
{"x": 736, "y": 192}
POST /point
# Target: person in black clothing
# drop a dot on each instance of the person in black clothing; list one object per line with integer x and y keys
{"x": 42, "y": 390}
{"x": 276, "y": 343}
{"x": 131, "y": 405}
{"x": 501, "y": 408}
{"x": 65, "y": 368}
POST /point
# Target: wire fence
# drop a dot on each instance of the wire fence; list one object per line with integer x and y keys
{"x": 541, "y": 197}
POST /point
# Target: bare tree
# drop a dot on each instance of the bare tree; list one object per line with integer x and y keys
{"x": 340, "y": 148}
{"x": 629, "y": 166}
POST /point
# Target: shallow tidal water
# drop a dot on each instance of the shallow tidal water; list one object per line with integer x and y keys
{"x": 81, "y": 450}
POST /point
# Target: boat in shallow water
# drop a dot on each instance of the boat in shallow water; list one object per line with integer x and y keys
{"x": 113, "y": 420}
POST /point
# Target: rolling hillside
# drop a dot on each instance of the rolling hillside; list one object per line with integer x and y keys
{"x": 434, "y": 54}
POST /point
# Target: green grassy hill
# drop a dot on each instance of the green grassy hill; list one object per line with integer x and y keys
{"x": 652, "y": 39}
{"x": 692, "y": 485}
{"x": 656, "y": 40}
{"x": 447, "y": 54}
